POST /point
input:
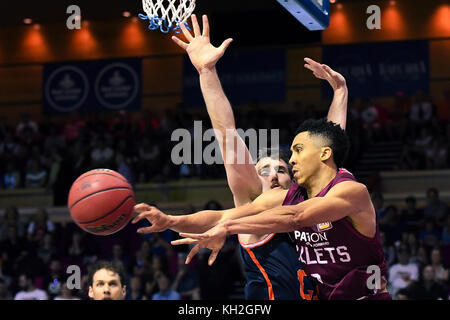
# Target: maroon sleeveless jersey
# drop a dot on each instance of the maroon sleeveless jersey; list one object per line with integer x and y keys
{"x": 335, "y": 253}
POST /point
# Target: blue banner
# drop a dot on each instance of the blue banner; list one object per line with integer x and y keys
{"x": 380, "y": 69}
{"x": 246, "y": 76}
{"x": 99, "y": 85}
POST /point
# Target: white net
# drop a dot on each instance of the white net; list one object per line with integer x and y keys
{"x": 168, "y": 12}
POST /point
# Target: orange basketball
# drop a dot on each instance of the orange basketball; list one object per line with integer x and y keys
{"x": 101, "y": 202}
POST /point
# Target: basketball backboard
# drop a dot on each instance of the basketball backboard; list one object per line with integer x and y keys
{"x": 313, "y": 14}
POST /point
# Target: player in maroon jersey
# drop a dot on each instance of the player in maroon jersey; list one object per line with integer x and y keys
{"x": 329, "y": 214}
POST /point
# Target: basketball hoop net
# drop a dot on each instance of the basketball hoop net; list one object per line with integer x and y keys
{"x": 167, "y": 14}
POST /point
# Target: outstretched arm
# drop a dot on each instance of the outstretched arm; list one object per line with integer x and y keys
{"x": 204, "y": 220}
{"x": 347, "y": 199}
{"x": 241, "y": 173}
{"x": 338, "y": 109}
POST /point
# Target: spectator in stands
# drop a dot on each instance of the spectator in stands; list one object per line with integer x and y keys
{"x": 378, "y": 204}
{"x": 396, "y": 121}
{"x": 61, "y": 176}
{"x": 411, "y": 216}
{"x": 441, "y": 274}
{"x": 430, "y": 235}
{"x": 125, "y": 169}
{"x": 11, "y": 248}
{"x": 35, "y": 176}
{"x": 145, "y": 270}
{"x": 107, "y": 282}
{"x": 66, "y": 293}
{"x": 101, "y": 154}
{"x": 28, "y": 139}
{"x": 436, "y": 154}
{"x": 79, "y": 152}
{"x": 5, "y": 294}
{"x": 186, "y": 281}
{"x": 142, "y": 254}
{"x": 26, "y": 124}
{"x": 389, "y": 224}
{"x": 11, "y": 177}
{"x": 427, "y": 288}
{"x": 53, "y": 140}
{"x": 117, "y": 256}
{"x": 402, "y": 274}
{"x": 135, "y": 292}
{"x": 369, "y": 116}
{"x": 418, "y": 252}
{"x": 165, "y": 292}
{"x": 388, "y": 249}
{"x": 435, "y": 209}
{"x": 402, "y": 294}
{"x": 28, "y": 290}
{"x": 149, "y": 154}
{"x": 11, "y": 217}
{"x": 213, "y": 205}
{"x": 150, "y": 288}
{"x": 421, "y": 111}
{"x": 159, "y": 264}
{"x": 40, "y": 225}
{"x": 421, "y": 143}
{"x": 54, "y": 280}
{"x": 46, "y": 249}
{"x": 76, "y": 248}
{"x": 43, "y": 158}
{"x": 446, "y": 232}
{"x": 28, "y": 262}
{"x": 73, "y": 128}
{"x": 9, "y": 146}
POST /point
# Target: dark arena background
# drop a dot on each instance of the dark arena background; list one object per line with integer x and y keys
{"x": 52, "y": 131}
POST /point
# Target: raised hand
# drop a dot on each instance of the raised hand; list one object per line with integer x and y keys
{"x": 213, "y": 239}
{"x": 324, "y": 72}
{"x": 202, "y": 53}
{"x": 158, "y": 219}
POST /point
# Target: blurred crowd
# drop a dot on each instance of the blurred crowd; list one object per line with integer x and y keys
{"x": 36, "y": 256}
{"x": 51, "y": 153}
{"x": 420, "y": 122}
{"x": 416, "y": 243}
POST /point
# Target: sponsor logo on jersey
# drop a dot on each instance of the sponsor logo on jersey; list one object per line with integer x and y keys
{"x": 310, "y": 237}
{"x": 324, "y": 226}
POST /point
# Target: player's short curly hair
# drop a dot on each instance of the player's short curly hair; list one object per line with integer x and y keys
{"x": 336, "y": 138}
{"x": 110, "y": 266}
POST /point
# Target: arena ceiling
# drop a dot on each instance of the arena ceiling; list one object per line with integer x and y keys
{"x": 54, "y": 11}
{"x": 251, "y": 22}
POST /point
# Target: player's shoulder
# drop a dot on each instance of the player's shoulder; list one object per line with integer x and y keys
{"x": 345, "y": 174}
{"x": 349, "y": 188}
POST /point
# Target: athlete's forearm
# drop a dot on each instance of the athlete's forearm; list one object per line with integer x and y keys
{"x": 241, "y": 173}
{"x": 202, "y": 221}
{"x": 305, "y": 214}
{"x": 338, "y": 108}
{"x": 275, "y": 220}
{"x": 217, "y": 104}
{"x": 197, "y": 222}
